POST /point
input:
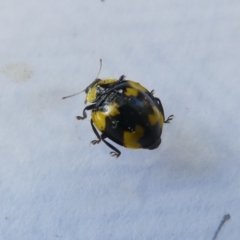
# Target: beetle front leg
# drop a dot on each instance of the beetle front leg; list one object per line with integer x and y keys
{"x": 90, "y": 107}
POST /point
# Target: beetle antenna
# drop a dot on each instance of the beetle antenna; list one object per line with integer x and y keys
{"x": 73, "y": 94}
{"x": 99, "y": 68}
{"x": 85, "y": 89}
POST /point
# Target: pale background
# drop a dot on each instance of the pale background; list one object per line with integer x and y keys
{"x": 54, "y": 184}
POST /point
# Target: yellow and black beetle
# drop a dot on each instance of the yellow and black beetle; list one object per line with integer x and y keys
{"x": 126, "y": 113}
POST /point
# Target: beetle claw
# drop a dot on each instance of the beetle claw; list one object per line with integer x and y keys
{"x": 115, "y": 154}
{"x": 170, "y": 118}
{"x": 80, "y": 118}
{"x": 95, "y": 141}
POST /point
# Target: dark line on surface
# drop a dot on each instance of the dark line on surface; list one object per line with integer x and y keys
{"x": 225, "y": 218}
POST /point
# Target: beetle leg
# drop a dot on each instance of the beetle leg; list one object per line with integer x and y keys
{"x": 117, "y": 153}
{"x": 90, "y": 107}
{"x": 169, "y": 119}
{"x": 157, "y": 100}
{"x": 121, "y": 79}
{"x": 159, "y": 104}
{"x": 96, "y": 133}
{"x": 161, "y": 109}
{"x": 152, "y": 92}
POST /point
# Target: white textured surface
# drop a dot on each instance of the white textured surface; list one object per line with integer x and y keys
{"x": 54, "y": 184}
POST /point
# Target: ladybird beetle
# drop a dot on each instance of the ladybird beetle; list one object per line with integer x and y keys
{"x": 125, "y": 112}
